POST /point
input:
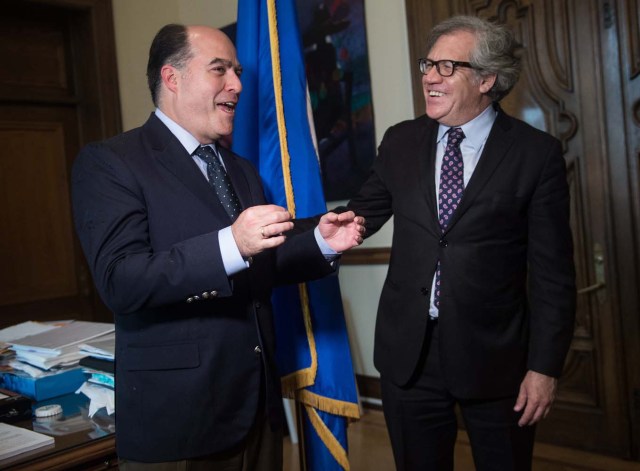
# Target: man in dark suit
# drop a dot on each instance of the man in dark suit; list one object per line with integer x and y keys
{"x": 188, "y": 271}
{"x": 479, "y": 301}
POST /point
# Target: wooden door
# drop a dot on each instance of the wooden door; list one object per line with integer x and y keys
{"x": 50, "y": 104}
{"x": 571, "y": 86}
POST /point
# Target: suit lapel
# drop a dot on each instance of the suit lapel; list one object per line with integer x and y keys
{"x": 172, "y": 155}
{"x": 496, "y": 148}
{"x": 427, "y": 165}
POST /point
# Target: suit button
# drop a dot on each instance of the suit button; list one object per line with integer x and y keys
{"x": 258, "y": 305}
{"x": 205, "y": 295}
{"x": 189, "y": 299}
{"x": 196, "y": 298}
{"x": 258, "y": 350}
{"x": 443, "y": 242}
{"x": 424, "y": 291}
{"x": 213, "y": 294}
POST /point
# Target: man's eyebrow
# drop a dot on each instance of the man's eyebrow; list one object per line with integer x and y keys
{"x": 218, "y": 60}
{"x": 227, "y": 63}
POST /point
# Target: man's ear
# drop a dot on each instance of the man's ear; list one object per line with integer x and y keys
{"x": 170, "y": 77}
{"x": 486, "y": 83}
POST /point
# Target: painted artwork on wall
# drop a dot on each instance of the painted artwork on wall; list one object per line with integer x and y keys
{"x": 335, "y": 48}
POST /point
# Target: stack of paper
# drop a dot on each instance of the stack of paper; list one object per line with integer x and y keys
{"x": 58, "y": 347}
{"x": 44, "y": 359}
{"x": 103, "y": 347}
{"x": 18, "y": 331}
{"x": 22, "y": 330}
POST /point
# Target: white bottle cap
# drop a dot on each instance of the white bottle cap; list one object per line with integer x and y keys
{"x": 49, "y": 411}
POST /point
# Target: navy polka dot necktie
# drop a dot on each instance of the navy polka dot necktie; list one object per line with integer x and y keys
{"x": 220, "y": 181}
{"x": 451, "y": 190}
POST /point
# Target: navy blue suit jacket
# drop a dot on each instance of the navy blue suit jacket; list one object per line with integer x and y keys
{"x": 188, "y": 374}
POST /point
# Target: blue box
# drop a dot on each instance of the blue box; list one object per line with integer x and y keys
{"x": 46, "y": 387}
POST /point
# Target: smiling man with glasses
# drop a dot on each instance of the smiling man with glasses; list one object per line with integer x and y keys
{"x": 478, "y": 306}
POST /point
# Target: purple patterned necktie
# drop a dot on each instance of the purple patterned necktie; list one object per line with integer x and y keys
{"x": 451, "y": 190}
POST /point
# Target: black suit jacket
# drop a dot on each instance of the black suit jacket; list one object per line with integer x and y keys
{"x": 508, "y": 283}
{"x": 191, "y": 343}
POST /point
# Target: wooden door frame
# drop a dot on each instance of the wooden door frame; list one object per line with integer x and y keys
{"x": 620, "y": 25}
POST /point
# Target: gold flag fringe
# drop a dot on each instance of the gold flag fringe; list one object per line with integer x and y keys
{"x": 332, "y": 444}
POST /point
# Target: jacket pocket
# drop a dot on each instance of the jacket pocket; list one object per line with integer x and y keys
{"x": 162, "y": 357}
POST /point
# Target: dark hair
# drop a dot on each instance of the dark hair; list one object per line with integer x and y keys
{"x": 496, "y": 50}
{"x": 170, "y": 46}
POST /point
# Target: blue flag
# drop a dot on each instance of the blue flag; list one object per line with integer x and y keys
{"x": 273, "y": 129}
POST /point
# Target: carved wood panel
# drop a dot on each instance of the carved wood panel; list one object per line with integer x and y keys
{"x": 624, "y": 151}
{"x": 630, "y": 14}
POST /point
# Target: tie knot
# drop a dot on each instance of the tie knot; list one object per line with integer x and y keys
{"x": 455, "y": 136}
{"x": 207, "y": 154}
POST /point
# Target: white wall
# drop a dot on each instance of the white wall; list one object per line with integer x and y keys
{"x": 137, "y": 21}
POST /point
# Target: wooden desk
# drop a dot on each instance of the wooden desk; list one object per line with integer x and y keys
{"x": 90, "y": 449}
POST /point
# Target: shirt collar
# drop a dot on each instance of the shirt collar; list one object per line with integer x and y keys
{"x": 475, "y": 131}
{"x": 187, "y": 140}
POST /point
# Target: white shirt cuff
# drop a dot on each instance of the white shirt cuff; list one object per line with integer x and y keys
{"x": 231, "y": 258}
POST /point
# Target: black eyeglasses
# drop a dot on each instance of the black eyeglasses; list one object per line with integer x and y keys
{"x": 445, "y": 67}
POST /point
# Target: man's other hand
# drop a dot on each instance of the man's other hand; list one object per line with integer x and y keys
{"x": 537, "y": 393}
{"x": 342, "y": 231}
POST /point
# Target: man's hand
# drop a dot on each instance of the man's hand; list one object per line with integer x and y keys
{"x": 342, "y": 231}
{"x": 260, "y": 228}
{"x": 537, "y": 393}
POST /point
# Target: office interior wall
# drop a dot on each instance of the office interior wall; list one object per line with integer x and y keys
{"x": 137, "y": 21}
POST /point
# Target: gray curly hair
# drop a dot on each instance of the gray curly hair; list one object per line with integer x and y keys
{"x": 496, "y": 51}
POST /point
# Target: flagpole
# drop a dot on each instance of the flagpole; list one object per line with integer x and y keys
{"x": 301, "y": 436}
